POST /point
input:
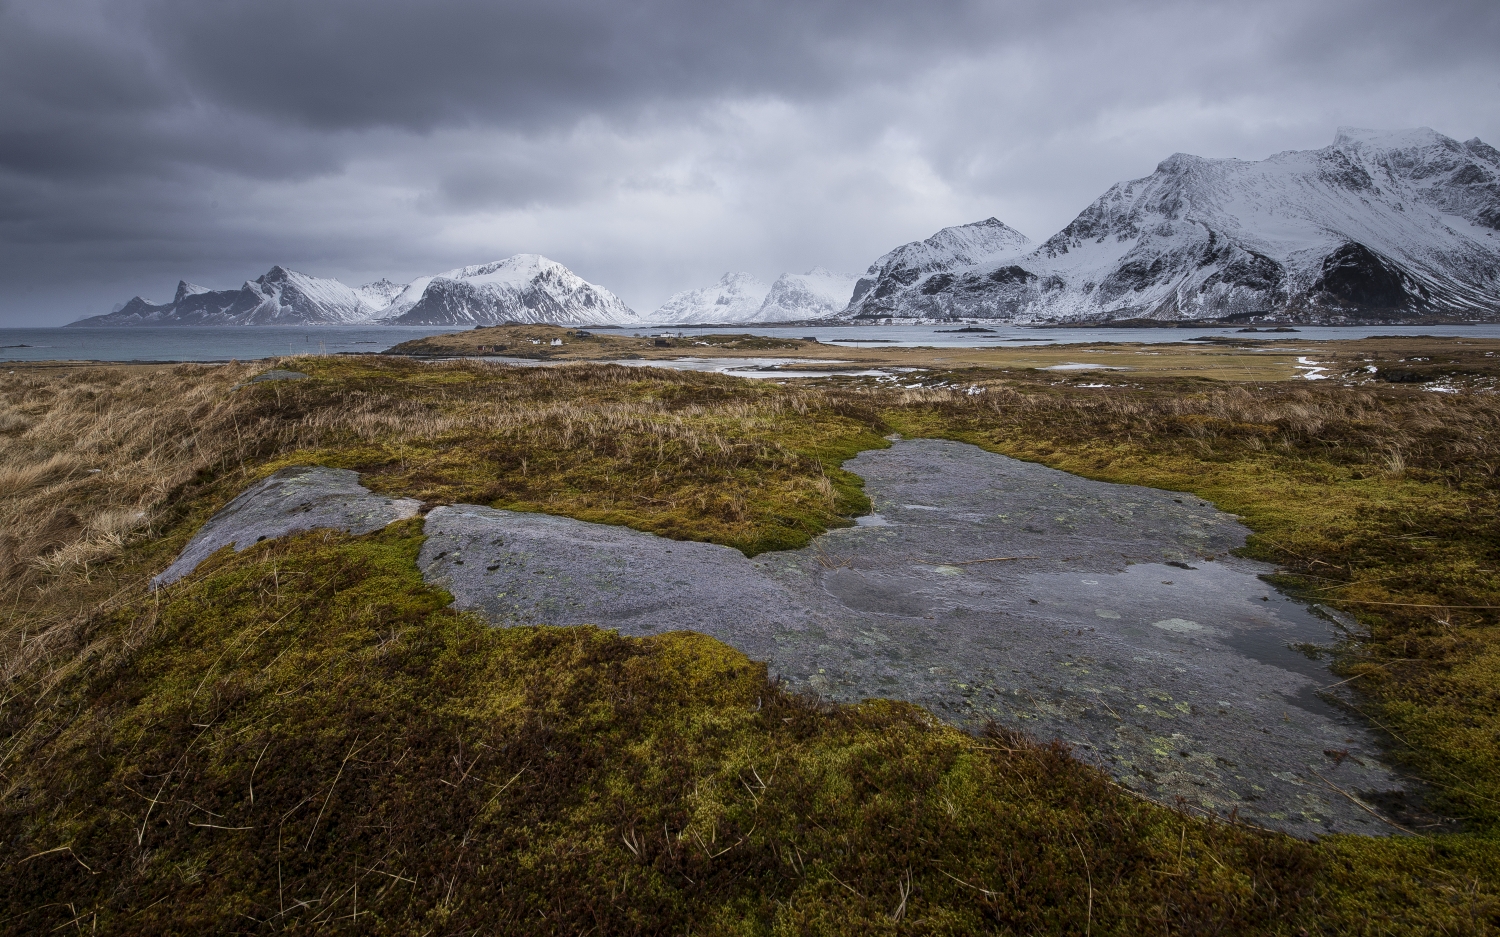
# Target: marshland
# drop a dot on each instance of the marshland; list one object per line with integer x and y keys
{"x": 309, "y": 734}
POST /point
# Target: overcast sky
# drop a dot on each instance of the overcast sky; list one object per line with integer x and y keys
{"x": 650, "y": 146}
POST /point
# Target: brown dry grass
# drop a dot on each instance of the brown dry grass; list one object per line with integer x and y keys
{"x": 88, "y": 456}
{"x": 93, "y": 459}
{"x": 97, "y": 458}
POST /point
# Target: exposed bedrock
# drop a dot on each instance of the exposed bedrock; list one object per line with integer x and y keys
{"x": 291, "y": 500}
{"x": 1109, "y": 616}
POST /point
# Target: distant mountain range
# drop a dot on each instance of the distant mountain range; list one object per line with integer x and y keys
{"x": 1379, "y": 227}
{"x": 279, "y": 297}
{"x": 526, "y": 288}
{"x": 742, "y": 298}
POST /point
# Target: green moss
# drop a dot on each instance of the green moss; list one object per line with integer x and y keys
{"x": 453, "y": 778}
{"x": 306, "y": 719}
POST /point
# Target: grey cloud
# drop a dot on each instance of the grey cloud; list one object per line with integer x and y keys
{"x": 652, "y": 144}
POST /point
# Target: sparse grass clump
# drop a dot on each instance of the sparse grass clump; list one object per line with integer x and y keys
{"x": 687, "y": 455}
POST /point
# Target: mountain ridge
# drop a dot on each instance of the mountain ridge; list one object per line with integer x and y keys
{"x": 744, "y": 299}
{"x": 1380, "y": 226}
{"x": 523, "y": 288}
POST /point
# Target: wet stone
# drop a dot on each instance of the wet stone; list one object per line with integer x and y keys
{"x": 278, "y": 374}
{"x": 291, "y": 500}
{"x": 524, "y": 569}
{"x": 994, "y": 589}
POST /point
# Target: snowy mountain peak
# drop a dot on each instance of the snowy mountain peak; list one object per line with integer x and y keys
{"x": 1182, "y": 163}
{"x": 737, "y": 297}
{"x": 525, "y": 288}
{"x": 184, "y": 290}
{"x": 278, "y": 297}
{"x": 926, "y": 265}
{"x": 1379, "y": 226}
{"x": 379, "y": 294}
{"x": 517, "y": 269}
{"x": 740, "y": 298}
{"x": 817, "y": 294}
{"x": 1415, "y": 138}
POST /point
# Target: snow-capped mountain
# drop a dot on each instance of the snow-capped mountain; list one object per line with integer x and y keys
{"x": 737, "y": 297}
{"x": 378, "y": 295}
{"x": 816, "y": 294}
{"x": 279, "y": 297}
{"x": 894, "y": 282}
{"x": 741, "y": 298}
{"x": 1379, "y": 226}
{"x": 526, "y": 288}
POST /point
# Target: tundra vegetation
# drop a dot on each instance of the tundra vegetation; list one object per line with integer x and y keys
{"x": 305, "y": 736}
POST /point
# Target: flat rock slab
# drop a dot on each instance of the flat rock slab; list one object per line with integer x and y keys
{"x": 985, "y": 587}
{"x": 533, "y": 569}
{"x": 279, "y": 374}
{"x": 292, "y": 500}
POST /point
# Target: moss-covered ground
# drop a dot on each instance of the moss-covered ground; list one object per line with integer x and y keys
{"x": 304, "y": 737}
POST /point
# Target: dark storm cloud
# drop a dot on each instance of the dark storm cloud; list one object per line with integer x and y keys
{"x": 648, "y": 144}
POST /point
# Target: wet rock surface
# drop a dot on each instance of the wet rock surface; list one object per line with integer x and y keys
{"x": 278, "y": 374}
{"x": 291, "y": 500}
{"x": 536, "y": 569}
{"x": 1108, "y": 616}
{"x": 982, "y": 588}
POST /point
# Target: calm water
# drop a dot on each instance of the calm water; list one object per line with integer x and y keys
{"x": 251, "y": 342}
{"x": 1011, "y": 336}
{"x": 187, "y": 343}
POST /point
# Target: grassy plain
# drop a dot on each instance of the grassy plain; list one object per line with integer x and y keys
{"x": 1243, "y": 358}
{"x": 304, "y": 736}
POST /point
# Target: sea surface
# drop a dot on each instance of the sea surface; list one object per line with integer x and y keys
{"x": 188, "y": 343}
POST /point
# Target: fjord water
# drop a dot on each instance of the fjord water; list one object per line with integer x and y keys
{"x": 248, "y": 343}
{"x": 190, "y": 343}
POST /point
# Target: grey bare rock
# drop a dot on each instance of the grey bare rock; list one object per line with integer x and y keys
{"x": 1107, "y": 616}
{"x": 292, "y": 500}
{"x": 986, "y": 588}
{"x": 533, "y": 569}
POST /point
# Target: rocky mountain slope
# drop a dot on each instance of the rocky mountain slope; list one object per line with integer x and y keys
{"x": 526, "y": 289}
{"x": 279, "y": 297}
{"x": 1381, "y": 226}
